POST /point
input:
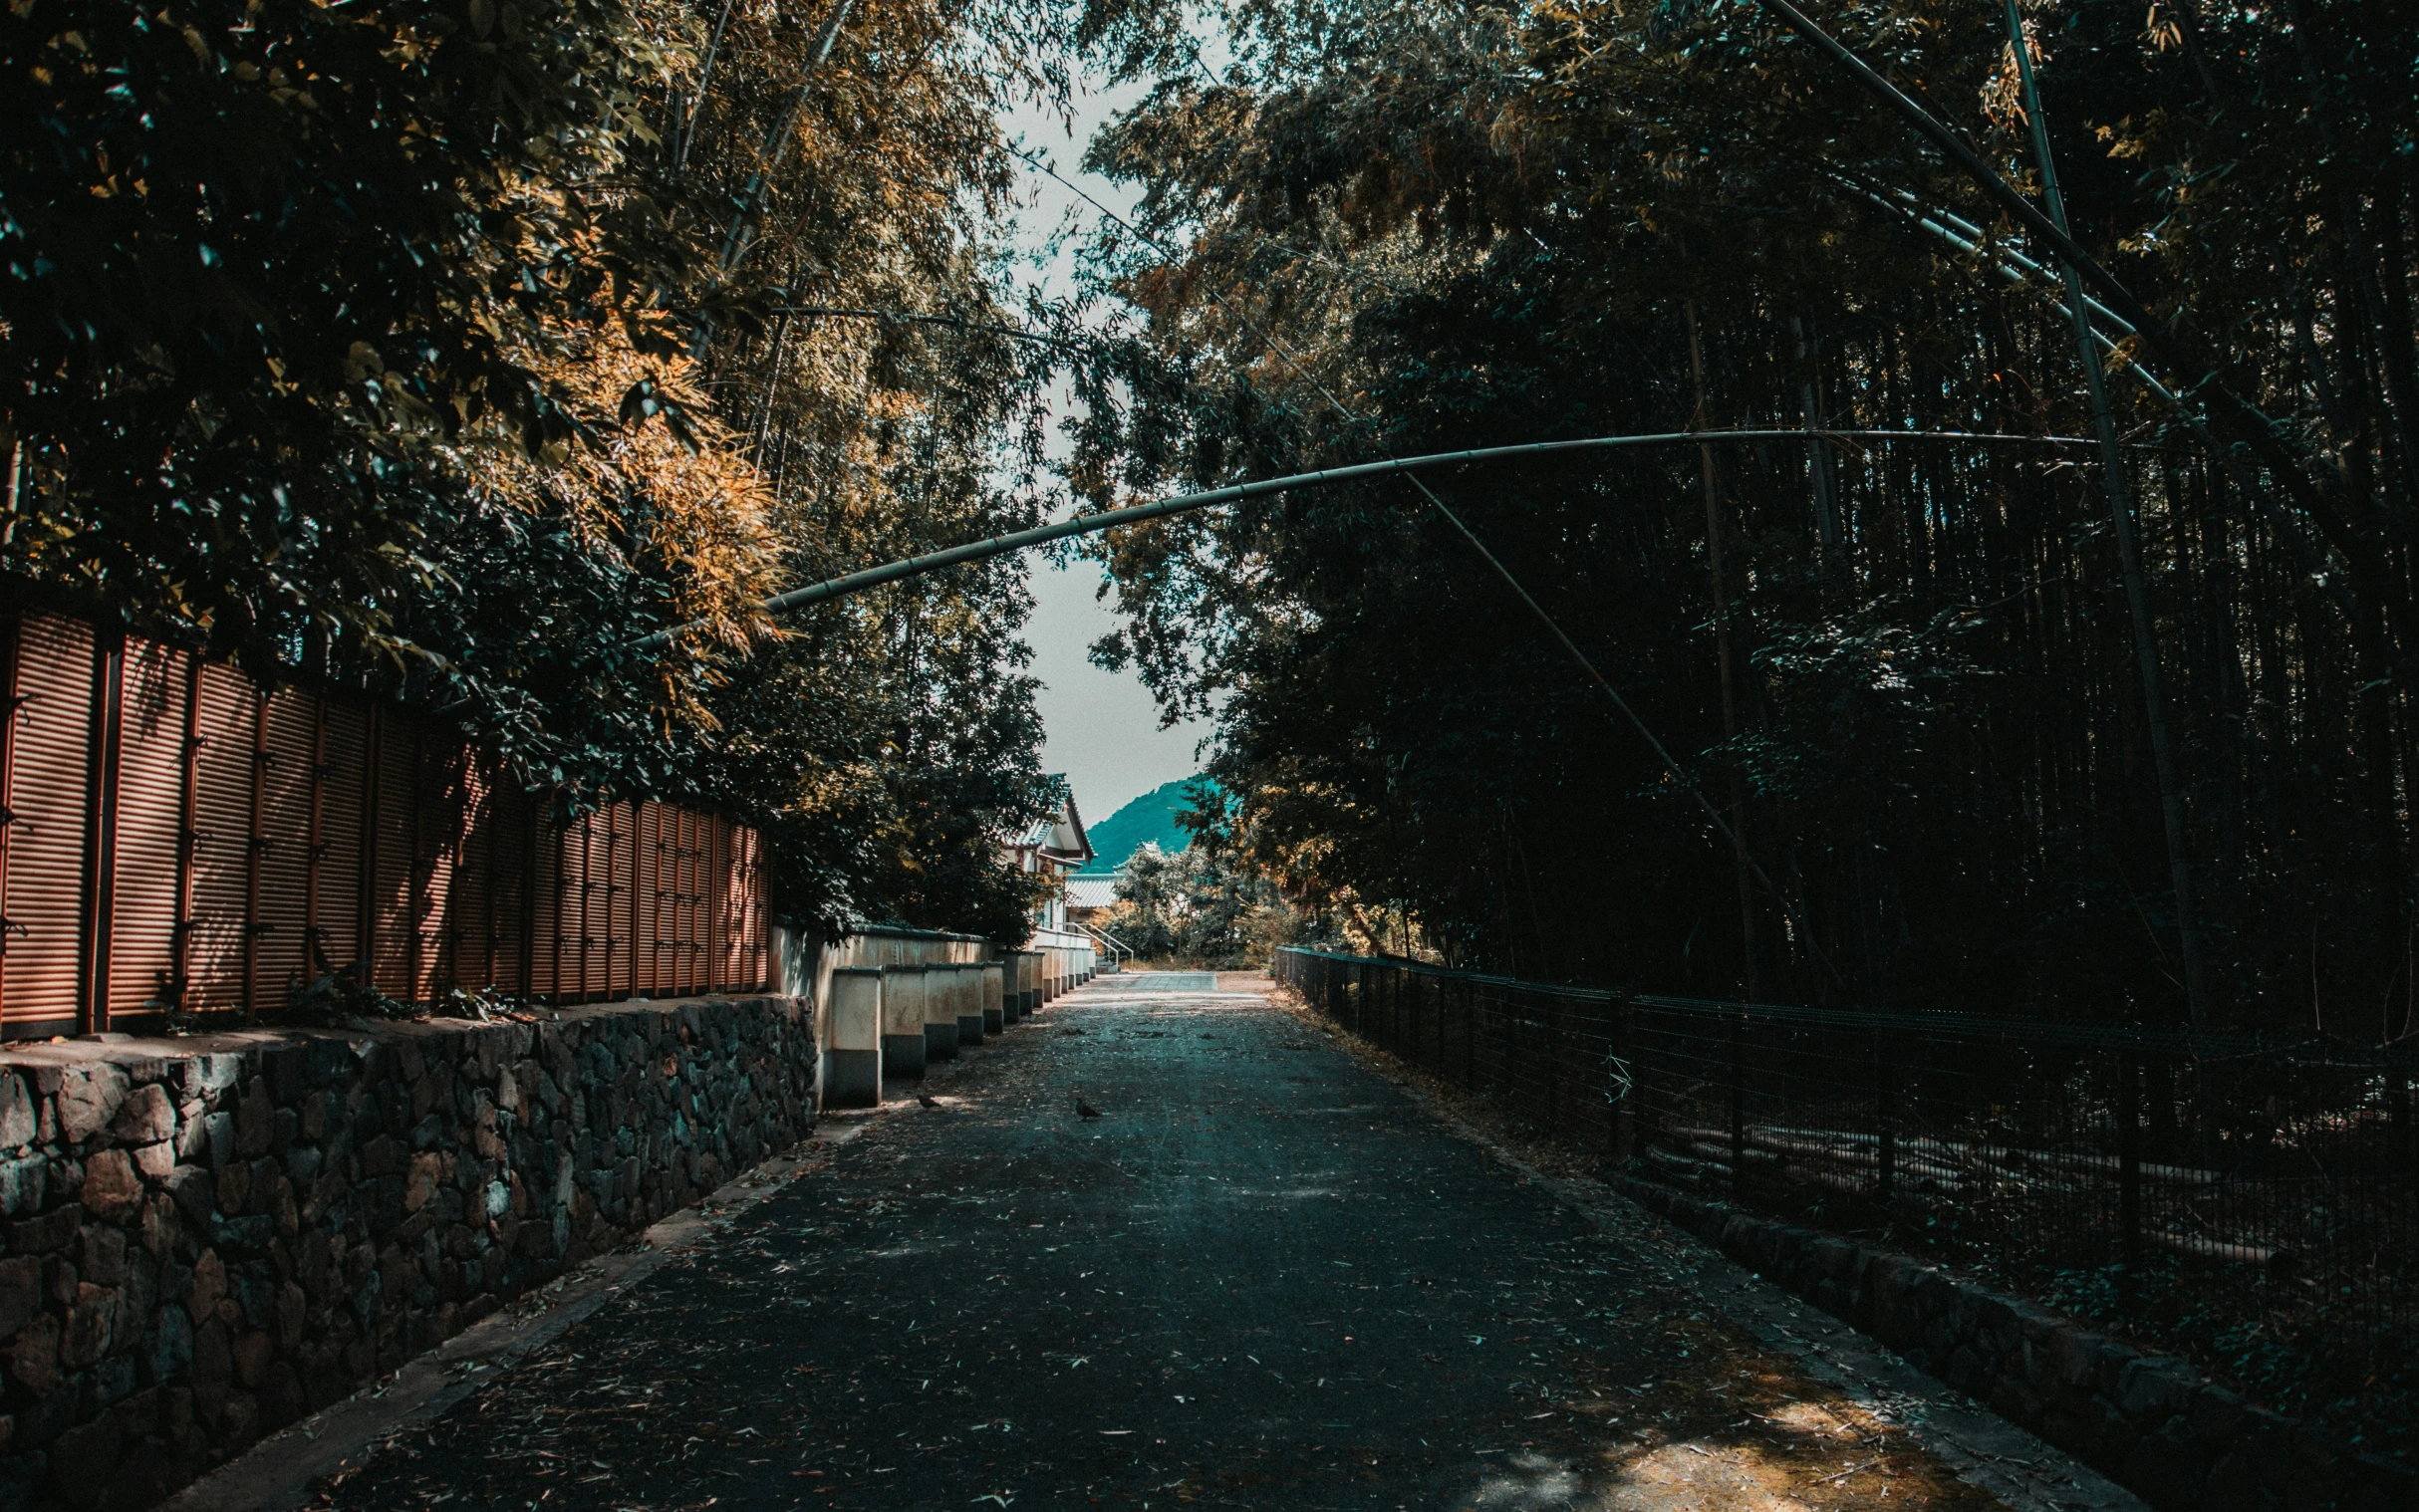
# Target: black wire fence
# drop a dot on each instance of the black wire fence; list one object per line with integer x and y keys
{"x": 2267, "y": 1185}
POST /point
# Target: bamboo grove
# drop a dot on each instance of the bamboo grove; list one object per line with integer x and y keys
{"x": 1904, "y": 670}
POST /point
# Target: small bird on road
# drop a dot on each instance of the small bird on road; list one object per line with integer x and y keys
{"x": 927, "y": 1102}
{"x": 1084, "y": 1109}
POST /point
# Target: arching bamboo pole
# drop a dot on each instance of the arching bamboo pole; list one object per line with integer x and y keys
{"x": 1134, "y": 514}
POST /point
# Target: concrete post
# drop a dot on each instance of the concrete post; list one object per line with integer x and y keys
{"x": 965, "y": 993}
{"x": 939, "y": 1013}
{"x": 902, "y": 1039}
{"x": 852, "y": 1076}
{"x": 994, "y": 999}
{"x": 1020, "y": 964}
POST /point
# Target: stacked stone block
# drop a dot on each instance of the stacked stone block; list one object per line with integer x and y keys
{"x": 205, "y": 1240}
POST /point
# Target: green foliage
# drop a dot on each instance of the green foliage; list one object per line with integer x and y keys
{"x": 1203, "y": 905}
{"x": 269, "y": 260}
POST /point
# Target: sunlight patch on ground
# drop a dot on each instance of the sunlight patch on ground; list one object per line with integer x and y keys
{"x": 1527, "y": 1481}
{"x": 1712, "y": 1476}
{"x": 1682, "y": 1477}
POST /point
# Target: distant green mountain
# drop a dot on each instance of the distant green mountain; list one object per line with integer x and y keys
{"x": 1150, "y": 818}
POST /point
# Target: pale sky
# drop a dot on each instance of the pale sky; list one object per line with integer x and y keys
{"x": 1100, "y": 728}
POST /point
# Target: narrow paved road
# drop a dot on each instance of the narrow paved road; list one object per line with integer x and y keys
{"x": 1263, "y": 1278}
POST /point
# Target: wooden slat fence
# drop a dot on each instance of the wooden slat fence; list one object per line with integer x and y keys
{"x": 173, "y": 839}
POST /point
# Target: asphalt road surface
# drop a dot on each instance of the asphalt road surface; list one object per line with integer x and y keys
{"x": 1262, "y": 1278}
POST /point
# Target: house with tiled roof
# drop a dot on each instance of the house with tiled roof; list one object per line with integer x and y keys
{"x": 1057, "y": 845}
{"x": 1091, "y": 893}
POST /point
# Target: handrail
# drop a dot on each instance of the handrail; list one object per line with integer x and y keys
{"x": 1117, "y": 947}
{"x": 1119, "y": 952}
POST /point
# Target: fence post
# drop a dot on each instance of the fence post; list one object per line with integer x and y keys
{"x": 1557, "y": 1037}
{"x": 1739, "y": 1111}
{"x": 2129, "y": 1167}
{"x": 100, "y": 901}
{"x": 256, "y": 849}
{"x": 1885, "y": 1118}
{"x": 188, "y": 837}
{"x": 12, "y": 634}
{"x": 1621, "y": 1075}
{"x": 2408, "y": 1135}
{"x": 1470, "y": 1036}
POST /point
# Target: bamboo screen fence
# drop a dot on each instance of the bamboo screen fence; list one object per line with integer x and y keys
{"x": 173, "y": 839}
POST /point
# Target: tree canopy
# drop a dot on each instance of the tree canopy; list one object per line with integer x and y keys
{"x": 1902, "y": 671}
{"x": 441, "y": 348}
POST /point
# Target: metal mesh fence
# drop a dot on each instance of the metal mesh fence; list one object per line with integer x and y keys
{"x": 2268, "y": 1173}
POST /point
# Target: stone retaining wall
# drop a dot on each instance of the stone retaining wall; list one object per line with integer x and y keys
{"x": 206, "y": 1239}
{"x": 2147, "y": 1421}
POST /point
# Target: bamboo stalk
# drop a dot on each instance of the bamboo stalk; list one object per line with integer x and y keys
{"x": 2129, "y": 556}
